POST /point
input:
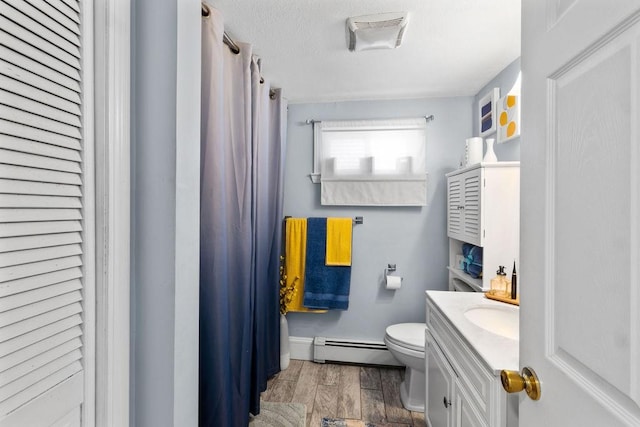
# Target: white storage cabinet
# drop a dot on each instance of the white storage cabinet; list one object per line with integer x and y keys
{"x": 483, "y": 208}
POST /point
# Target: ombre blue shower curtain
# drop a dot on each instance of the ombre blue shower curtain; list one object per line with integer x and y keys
{"x": 242, "y": 162}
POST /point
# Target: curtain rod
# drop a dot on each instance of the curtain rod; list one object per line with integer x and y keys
{"x": 225, "y": 37}
{"x": 230, "y": 43}
{"x": 426, "y": 118}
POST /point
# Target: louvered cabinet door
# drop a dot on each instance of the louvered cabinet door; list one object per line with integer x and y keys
{"x": 41, "y": 208}
{"x": 472, "y": 222}
{"x": 464, "y": 197}
{"x": 455, "y": 207}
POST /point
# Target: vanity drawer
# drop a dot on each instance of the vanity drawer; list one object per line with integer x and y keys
{"x": 472, "y": 373}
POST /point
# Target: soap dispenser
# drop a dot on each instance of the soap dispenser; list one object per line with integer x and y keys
{"x": 500, "y": 284}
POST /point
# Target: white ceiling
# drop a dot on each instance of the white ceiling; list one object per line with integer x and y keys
{"x": 450, "y": 47}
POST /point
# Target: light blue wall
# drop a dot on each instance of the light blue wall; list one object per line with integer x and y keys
{"x": 414, "y": 238}
{"x": 505, "y": 80}
{"x": 165, "y": 200}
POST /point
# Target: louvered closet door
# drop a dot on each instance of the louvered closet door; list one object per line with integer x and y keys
{"x": 41, "y": 224}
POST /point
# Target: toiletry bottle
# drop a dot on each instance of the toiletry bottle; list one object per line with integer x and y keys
{"x": 514, "y": 282}
{"x": 499, "y": 284}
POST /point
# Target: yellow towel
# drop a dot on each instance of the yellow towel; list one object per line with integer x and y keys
{"x": 294, "y": 259}
{"x": 339, "y": 241}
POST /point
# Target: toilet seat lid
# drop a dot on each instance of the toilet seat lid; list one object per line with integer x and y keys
{"x": 409, "y": 335}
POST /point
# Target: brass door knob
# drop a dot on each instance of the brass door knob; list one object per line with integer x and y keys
{"x": 513, "y": 382}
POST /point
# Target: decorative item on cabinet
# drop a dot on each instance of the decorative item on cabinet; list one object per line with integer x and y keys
{"x": 499, "y": 284}
{"x": 505, "y": 290}
{"x": 489, "y": 155}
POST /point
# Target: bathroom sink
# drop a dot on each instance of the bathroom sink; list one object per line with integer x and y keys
{"x": 497, "y": 320}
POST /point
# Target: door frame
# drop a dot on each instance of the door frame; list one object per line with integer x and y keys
{"x": 88, "y": 216}
{"x": 107, "y": 384}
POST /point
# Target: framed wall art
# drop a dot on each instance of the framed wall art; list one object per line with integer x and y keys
{"x": 508, "y": 118}
{"x": 487, "y": 112}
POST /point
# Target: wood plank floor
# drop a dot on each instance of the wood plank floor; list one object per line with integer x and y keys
{"x": 343, "y": 391}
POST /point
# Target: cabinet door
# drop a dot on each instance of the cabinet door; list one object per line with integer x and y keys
{"x": 466, "y": 414}
{"x": 440, "y": 377}
{"x": 454, "y": 207}
{"x": 464, "y": 207}
{"x": 472, "y": 195}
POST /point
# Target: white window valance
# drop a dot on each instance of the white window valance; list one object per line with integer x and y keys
{"x": 371, "y": 162}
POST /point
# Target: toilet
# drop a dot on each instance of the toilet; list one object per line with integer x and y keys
{"x": 406, "y": 341}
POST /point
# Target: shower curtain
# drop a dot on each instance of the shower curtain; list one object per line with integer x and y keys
{"x": 242, "y": 162}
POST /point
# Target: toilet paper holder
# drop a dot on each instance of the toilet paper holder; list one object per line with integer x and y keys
{"x": 392, "y": 282}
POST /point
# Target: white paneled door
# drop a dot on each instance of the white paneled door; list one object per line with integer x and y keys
{"x": 43, "y": 217}
{"x": 580, "y": 211}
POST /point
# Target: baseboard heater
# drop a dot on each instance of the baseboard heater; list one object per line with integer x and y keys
{"x": 352, "y": 351}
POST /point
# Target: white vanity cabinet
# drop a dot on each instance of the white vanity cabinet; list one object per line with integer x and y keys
{"x": 483, "y": 208}
{"x": 463, "y": 389}
{"x": 466, "y": 414}
{"x": 441, "y": 378}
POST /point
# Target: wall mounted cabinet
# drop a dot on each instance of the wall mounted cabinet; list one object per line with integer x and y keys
{"x": 483, "y": 208}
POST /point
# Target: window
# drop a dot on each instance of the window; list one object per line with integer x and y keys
{"x": 371, "y": 162}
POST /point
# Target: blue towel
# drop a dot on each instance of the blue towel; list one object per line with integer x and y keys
{"x": 325, "y": 287}
{"x": 472, "y": 259}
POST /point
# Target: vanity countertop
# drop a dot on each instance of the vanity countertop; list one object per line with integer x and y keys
{"x": 496, "y": 351}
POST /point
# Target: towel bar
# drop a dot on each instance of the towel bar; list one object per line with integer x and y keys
{"x": 356, "y": 220}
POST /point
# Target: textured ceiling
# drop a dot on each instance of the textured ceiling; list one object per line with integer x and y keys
{"x": 450, "y": 48}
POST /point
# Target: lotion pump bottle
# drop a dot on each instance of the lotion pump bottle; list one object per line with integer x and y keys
{"x": 500, "y": 284}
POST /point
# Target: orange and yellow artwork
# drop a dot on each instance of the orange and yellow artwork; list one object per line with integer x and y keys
{"x": 508, "y": 118}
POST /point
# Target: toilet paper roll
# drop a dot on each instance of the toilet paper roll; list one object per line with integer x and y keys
{"x": 393, "y": 282}
{"x": 473, "y": 151}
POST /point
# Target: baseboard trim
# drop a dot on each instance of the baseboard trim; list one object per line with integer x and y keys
{"x": 301, "y": 348}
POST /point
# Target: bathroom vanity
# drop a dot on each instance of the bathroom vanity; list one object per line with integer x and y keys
{"x": 469, "y": 340}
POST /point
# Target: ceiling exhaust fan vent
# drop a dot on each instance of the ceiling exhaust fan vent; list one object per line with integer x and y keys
{"x": 380, "y": 31}
{"x": 361, "y": 25}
